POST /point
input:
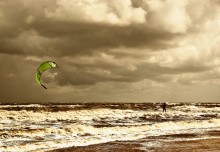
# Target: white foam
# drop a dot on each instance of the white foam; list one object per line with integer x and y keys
{"x": 75, "y": 128}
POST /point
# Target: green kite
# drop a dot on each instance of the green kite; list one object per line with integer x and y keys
{"x": 43, "y": 67}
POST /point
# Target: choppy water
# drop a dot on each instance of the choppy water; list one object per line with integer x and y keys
{"x": 45, "y": 127}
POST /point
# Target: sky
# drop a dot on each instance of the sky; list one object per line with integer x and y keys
{"x": 110, "y": 51}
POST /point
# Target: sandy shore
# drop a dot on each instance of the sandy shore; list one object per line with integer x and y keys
{"x": 205, "y": 145}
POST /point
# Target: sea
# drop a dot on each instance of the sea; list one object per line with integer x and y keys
{"x": 47, "y": 127}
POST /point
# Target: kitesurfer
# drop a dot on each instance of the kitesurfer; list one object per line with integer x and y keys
{"x": 164, "y": 107}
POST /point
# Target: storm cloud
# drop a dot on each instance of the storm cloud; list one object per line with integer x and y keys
{"x": 110, "y": 51}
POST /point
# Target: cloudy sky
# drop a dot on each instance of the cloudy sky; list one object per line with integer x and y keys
{"x": 110, "y": 50}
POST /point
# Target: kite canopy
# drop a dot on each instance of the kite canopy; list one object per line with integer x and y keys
{"x": 43, "y": 67}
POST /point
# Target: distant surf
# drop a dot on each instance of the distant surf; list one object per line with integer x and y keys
{"x": 36, "y": 127}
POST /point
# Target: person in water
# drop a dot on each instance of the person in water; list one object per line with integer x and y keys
{"x": 164, "y": 107}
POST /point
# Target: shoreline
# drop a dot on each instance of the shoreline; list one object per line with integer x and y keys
{"x": 200, "y": 145}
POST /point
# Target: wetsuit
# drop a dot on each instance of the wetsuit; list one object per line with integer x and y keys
{"x": 164, "y": 107}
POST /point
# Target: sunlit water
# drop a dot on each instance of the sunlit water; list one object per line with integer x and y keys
{"x": 45, "y": 127}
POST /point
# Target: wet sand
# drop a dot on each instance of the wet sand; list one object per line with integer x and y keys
{"x": 204, "y": 145}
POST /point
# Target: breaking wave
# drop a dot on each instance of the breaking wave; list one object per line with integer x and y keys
{"x": 38, "y": 128}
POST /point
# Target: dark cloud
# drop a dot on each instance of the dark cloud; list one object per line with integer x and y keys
{"x": 86, "y": 38}
{"x": 100, "y": 70}
{"x": 65, "y": 39}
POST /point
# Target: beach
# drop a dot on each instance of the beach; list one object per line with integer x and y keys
{"x": 204, "y": 145}
{"x": 128, "y": 127}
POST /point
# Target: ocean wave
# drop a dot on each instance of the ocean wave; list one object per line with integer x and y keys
{"x": 46, "y": 130}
